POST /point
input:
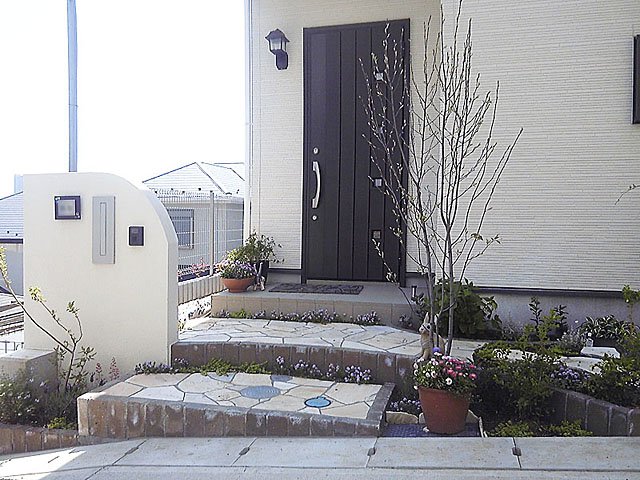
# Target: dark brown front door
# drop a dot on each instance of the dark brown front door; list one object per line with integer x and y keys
{"x": 344, "y": 211}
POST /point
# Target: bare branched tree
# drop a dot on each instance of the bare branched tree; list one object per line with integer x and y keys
{"x": 432, "y": 143}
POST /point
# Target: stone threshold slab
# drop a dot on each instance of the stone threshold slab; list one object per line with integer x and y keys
{"x": 105, "y": 415}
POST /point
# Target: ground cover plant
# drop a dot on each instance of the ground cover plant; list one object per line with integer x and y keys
{"x": 300, "y": 368}
{"x": 311, "y": 316}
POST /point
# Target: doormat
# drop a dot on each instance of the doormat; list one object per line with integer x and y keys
{"x": 306, "y": 288}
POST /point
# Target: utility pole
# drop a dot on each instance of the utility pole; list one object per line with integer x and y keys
{"x": 72, "y": 48}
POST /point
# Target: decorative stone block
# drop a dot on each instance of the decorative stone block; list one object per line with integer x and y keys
{"x": 236, "y": 422}
{"x": 19, "y": 440}
{"x": 83, "y": 416}
{"x": 98, "y": 417}
{"x": 367, "y": 429}
{"x": 6, "y": 439}
{"x": 68, "y": 439}
{"x": 283, "y": 351}
{"x": 277, "y": 424}
{"x": 345, "y": 427}
{"x": 386, "y": 368}
{"x": 299, "y": 426}
{"x": 136, "y": 419}
{"x": 193, "y": 422}
{"x": 256, "y": 423}
{"x": 369, "y": 361}
{"x": 618, "y": 422}
{"x": 214, "y": 423}
{"x": 33, "y": 439}
{"x": 577, "y": 407}
{"x": 173, "y": 420}
{"x": 247, "y": 353}
{"x": 264, "y": 353}
{"x": 117, "y": 419}
{"x": 350, "y": 357}
{"x": 317, "y": 356}
{"x": 194, "y": 353}
{"x": 153, "y": 424}
{"x": 334, "y": 356}
{"x": 558, "y": 405}
{"x": 598, "y": 417}
{"x": 213, "y": 350}
{"x": 230, "y": 353}
{"x": 321, "y": 426}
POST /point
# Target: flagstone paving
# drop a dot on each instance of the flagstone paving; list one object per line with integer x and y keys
{"x": 375, "y": 338}
{"x": 252, "y": 391}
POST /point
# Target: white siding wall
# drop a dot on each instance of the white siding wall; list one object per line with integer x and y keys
{"x": 565, "y": 71}
{"x": 277, "y": 104}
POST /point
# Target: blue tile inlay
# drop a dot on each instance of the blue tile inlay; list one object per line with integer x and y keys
{"x": 317, "y": 402}
{"x": 260, "y": 391}
{"x": 280, "y": 378}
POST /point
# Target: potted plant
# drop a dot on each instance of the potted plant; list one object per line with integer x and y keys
{"x": 444, "y": 385}
{"x": 236, "y": 275}
{"x": 258, "y": 250}
{"x": 605, "y": 331}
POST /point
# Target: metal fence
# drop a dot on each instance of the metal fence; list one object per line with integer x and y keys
{"x": 7, "y": 346}
{"x": 207, "y": 226}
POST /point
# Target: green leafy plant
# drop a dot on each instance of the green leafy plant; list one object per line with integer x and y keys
{"x": 567, "y": 429}
{"x": 630, "y": 297}
{"x": 606, "y": 327}
{"x": 256, "y": 248}
{"x": 475, "y": 315}
{"x": 618, "y": 381}
{"x": 514, "y": 387}
{"x": 19, "y": 400}
{"x": 548, "y": 327}
{"x": 442, "y": 372}
{"x": 511, "y": 429}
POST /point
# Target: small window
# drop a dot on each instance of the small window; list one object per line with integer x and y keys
{"x": 182, "y": 219}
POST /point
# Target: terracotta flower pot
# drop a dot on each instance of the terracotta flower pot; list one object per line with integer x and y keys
{"x": 443, "y": 411}
{"x": 237, "y": 285}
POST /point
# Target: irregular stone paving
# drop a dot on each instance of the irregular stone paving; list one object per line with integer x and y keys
{"x": 376, "y": 338}
{"x": 252, "y": 391}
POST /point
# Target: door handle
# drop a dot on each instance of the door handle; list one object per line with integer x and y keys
{"x": 316, "y": 198}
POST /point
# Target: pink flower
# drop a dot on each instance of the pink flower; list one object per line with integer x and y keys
{"x": 473, "y": 376}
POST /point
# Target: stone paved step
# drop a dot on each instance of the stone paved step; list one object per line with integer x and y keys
{"x": 387, "y": 352}
{"x": 196, "y": 405}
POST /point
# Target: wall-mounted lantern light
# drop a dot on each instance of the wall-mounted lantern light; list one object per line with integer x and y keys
{"x": 278, "y": 46}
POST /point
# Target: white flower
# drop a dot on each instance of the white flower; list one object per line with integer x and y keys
{"x": 448, "y": 381}
{"x": 434, "y": 374}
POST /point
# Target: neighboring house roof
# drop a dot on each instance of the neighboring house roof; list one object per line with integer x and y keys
{"x": 220, "y": 178}
{"x": 12, "y": 217}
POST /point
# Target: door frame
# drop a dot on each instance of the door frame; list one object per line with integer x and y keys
{"x": 306, "y": 156}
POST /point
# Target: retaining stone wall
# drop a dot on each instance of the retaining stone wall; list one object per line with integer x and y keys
{"x": 384, "y": 366}
{"x": 600, "y": 417}
{"x": 22, "y": 438}
{"x": 199, "y": 288}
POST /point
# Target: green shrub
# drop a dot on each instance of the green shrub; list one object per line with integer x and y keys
{"x": 618, "y": 382}
{"x": 475, "y": 316}
{"x": 606, "y": 327}
{"x": 567, "y": 429}
{"x": 20, "y": 400}
{"x": 520, "y": 388}
{"x": 510, "y": 429}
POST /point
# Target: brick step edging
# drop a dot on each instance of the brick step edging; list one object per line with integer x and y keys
{"x": 599, "y": 417}
{"x": 385, "y": 367}
{"x": 107, "y": 416}
{"x": 25, "y": 438}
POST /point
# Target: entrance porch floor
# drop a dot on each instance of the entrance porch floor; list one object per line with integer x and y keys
{"x": 386, "y": 299}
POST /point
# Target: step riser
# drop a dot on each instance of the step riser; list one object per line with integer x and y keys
{"x": 384, "y": 366}
{"x": 107, "y": 416}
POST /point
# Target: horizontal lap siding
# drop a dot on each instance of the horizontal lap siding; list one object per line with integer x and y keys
{"x": 277, "y": 104}
{"x": 565, "y": 71}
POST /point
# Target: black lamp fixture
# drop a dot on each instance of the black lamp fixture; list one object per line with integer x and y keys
{"x": 278, "y": 46}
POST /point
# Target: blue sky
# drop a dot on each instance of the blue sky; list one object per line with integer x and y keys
{"x": 160, "y": 84}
